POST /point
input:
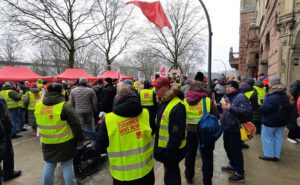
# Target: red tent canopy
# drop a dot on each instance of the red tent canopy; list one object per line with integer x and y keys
{"x": 113, "y": 75}
{"x": 9, "y": 73}
{"x": 74, "y": 74}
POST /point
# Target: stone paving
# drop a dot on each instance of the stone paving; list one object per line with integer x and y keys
{"x": 28, "y": 158}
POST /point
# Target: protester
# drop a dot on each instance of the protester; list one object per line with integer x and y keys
{"x": 128, "y": 144}
{"x": 275, "y": 114}
{"x": 60, "y": 131}
{"x": 148, "y": 99}
{"x": 170, "y": 141}
{"x": 236, "y": 110}
{"x": 107, "y": 96}
{"x": 32, "y": 97}
{"x": 6, "y": 147}
{"x": 185, "y": 84}
{"x": 194, "y": 110}
{"x": 12, "y": 99}
{"x": 261, "y": 94}
{"x": 85, "y": 101}
{"x": 294, "y": 129}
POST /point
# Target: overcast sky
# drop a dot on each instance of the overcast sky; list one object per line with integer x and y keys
{"x": 225, "y": 20}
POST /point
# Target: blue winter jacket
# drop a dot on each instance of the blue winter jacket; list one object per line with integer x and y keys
{"x": 270, "y": 109}
{"x": 240, "y": 112}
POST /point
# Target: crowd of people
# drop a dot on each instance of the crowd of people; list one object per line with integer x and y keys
{"x": 147, "y": 120}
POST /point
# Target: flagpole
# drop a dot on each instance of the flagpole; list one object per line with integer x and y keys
{"x": 209, "y": 42}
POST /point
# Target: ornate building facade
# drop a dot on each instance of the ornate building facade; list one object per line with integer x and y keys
{"x": 269, "y": 39}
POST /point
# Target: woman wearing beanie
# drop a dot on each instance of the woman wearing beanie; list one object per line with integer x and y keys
{"x": 275, "y": 114}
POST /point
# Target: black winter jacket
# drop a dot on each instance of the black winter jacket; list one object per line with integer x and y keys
{"x": 63, "y": 151}
{"x": 177, "y": 128}
{"x": 270, "y": 109}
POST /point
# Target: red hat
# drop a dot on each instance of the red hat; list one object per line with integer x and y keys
{"x": 160, "y": 82}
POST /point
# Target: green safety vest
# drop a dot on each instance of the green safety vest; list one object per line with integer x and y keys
{"x": 34, "y": 98}
{"x": 261, "y": 94}
{"x": 164, "y": 125}
{"x": 194, "y": 113}
{"x": 52, "y": 129}
{"x": 10, "y": 102}
{"x": 146, "y": 96}
{"x": 130, "y": 149}
{"x": 248, "y": 94}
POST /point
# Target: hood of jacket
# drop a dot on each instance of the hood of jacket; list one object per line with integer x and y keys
{"x": 245, "y": 87}
{"x": 193, "y": 97}
{"x": 128, "y": 106}
{"x": 34, "y": 90}
{"x": 170, "y": 94}
{"x": 277, "y": 88}
{"x": 52, "y": 98}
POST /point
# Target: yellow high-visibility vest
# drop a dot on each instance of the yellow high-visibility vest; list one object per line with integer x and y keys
{"x": 249, "y": 94}
{"x": 52, "y": 129}
{"x": 130, "y": 149}
{"x": 261, "y": 94}
{"x": 146, "y": 96}
{"x": 194, "y": 113}
{"x": 34, "y": 98}
{"x": 21, "y": 102}
{"x": 10, "y": 102}
{"x": 164, "y": 125}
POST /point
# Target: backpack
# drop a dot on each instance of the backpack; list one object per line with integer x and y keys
{"x": 208, "y": 127}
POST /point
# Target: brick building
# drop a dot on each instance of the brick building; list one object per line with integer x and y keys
{"x": 269, "y": 39}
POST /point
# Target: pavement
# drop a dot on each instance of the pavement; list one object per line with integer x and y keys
{"x": 29, "y": 159}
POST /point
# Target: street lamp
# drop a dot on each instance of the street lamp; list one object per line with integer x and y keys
{"x": 218, "y": 60}
{"x": 209, "y": 41}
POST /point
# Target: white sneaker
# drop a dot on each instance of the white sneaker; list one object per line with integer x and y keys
{"x": 291, "y": 140}
{"x": 298, "y": 140}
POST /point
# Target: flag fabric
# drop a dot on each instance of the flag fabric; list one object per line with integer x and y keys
{"x": 119, "y": 76}
{"x": 154, "y": 12}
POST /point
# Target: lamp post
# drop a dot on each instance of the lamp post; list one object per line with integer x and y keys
{"x": 209, "y": 42}
{"x": 218, "y": 60}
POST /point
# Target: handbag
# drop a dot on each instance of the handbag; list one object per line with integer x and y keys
{"x": 298, "y": 121}
{"x": 247, "y": 130}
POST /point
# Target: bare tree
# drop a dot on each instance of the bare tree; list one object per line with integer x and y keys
{"x": 84, "y": 55}
{"x": 49, "y": 58}
{"x": 145, "y": 61}
{"x": 186, "y": 33}
{"x": 58, "y": 56}
{"x": 41, "y": 59}
{"x": 10, "y": 49}
{"x": 190, "y": 59}
{"x": 115, "y": 28}
{"x": 65, "y": 22}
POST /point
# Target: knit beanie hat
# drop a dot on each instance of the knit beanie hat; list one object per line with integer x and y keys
{"x": 274, "y": 80}
{"x": 233, "y": 83}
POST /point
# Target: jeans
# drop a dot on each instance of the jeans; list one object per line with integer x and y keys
{"x": 86, "y": 120}
{"x": 15, "y": 118}
{"x": 23, "y": 117}
{"x": 68, "y": 173}
{"x": 272, "y": 139}
{"x": 233, "y": 148}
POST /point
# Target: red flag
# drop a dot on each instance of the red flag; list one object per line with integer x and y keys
{"x": 153, "y": 10}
